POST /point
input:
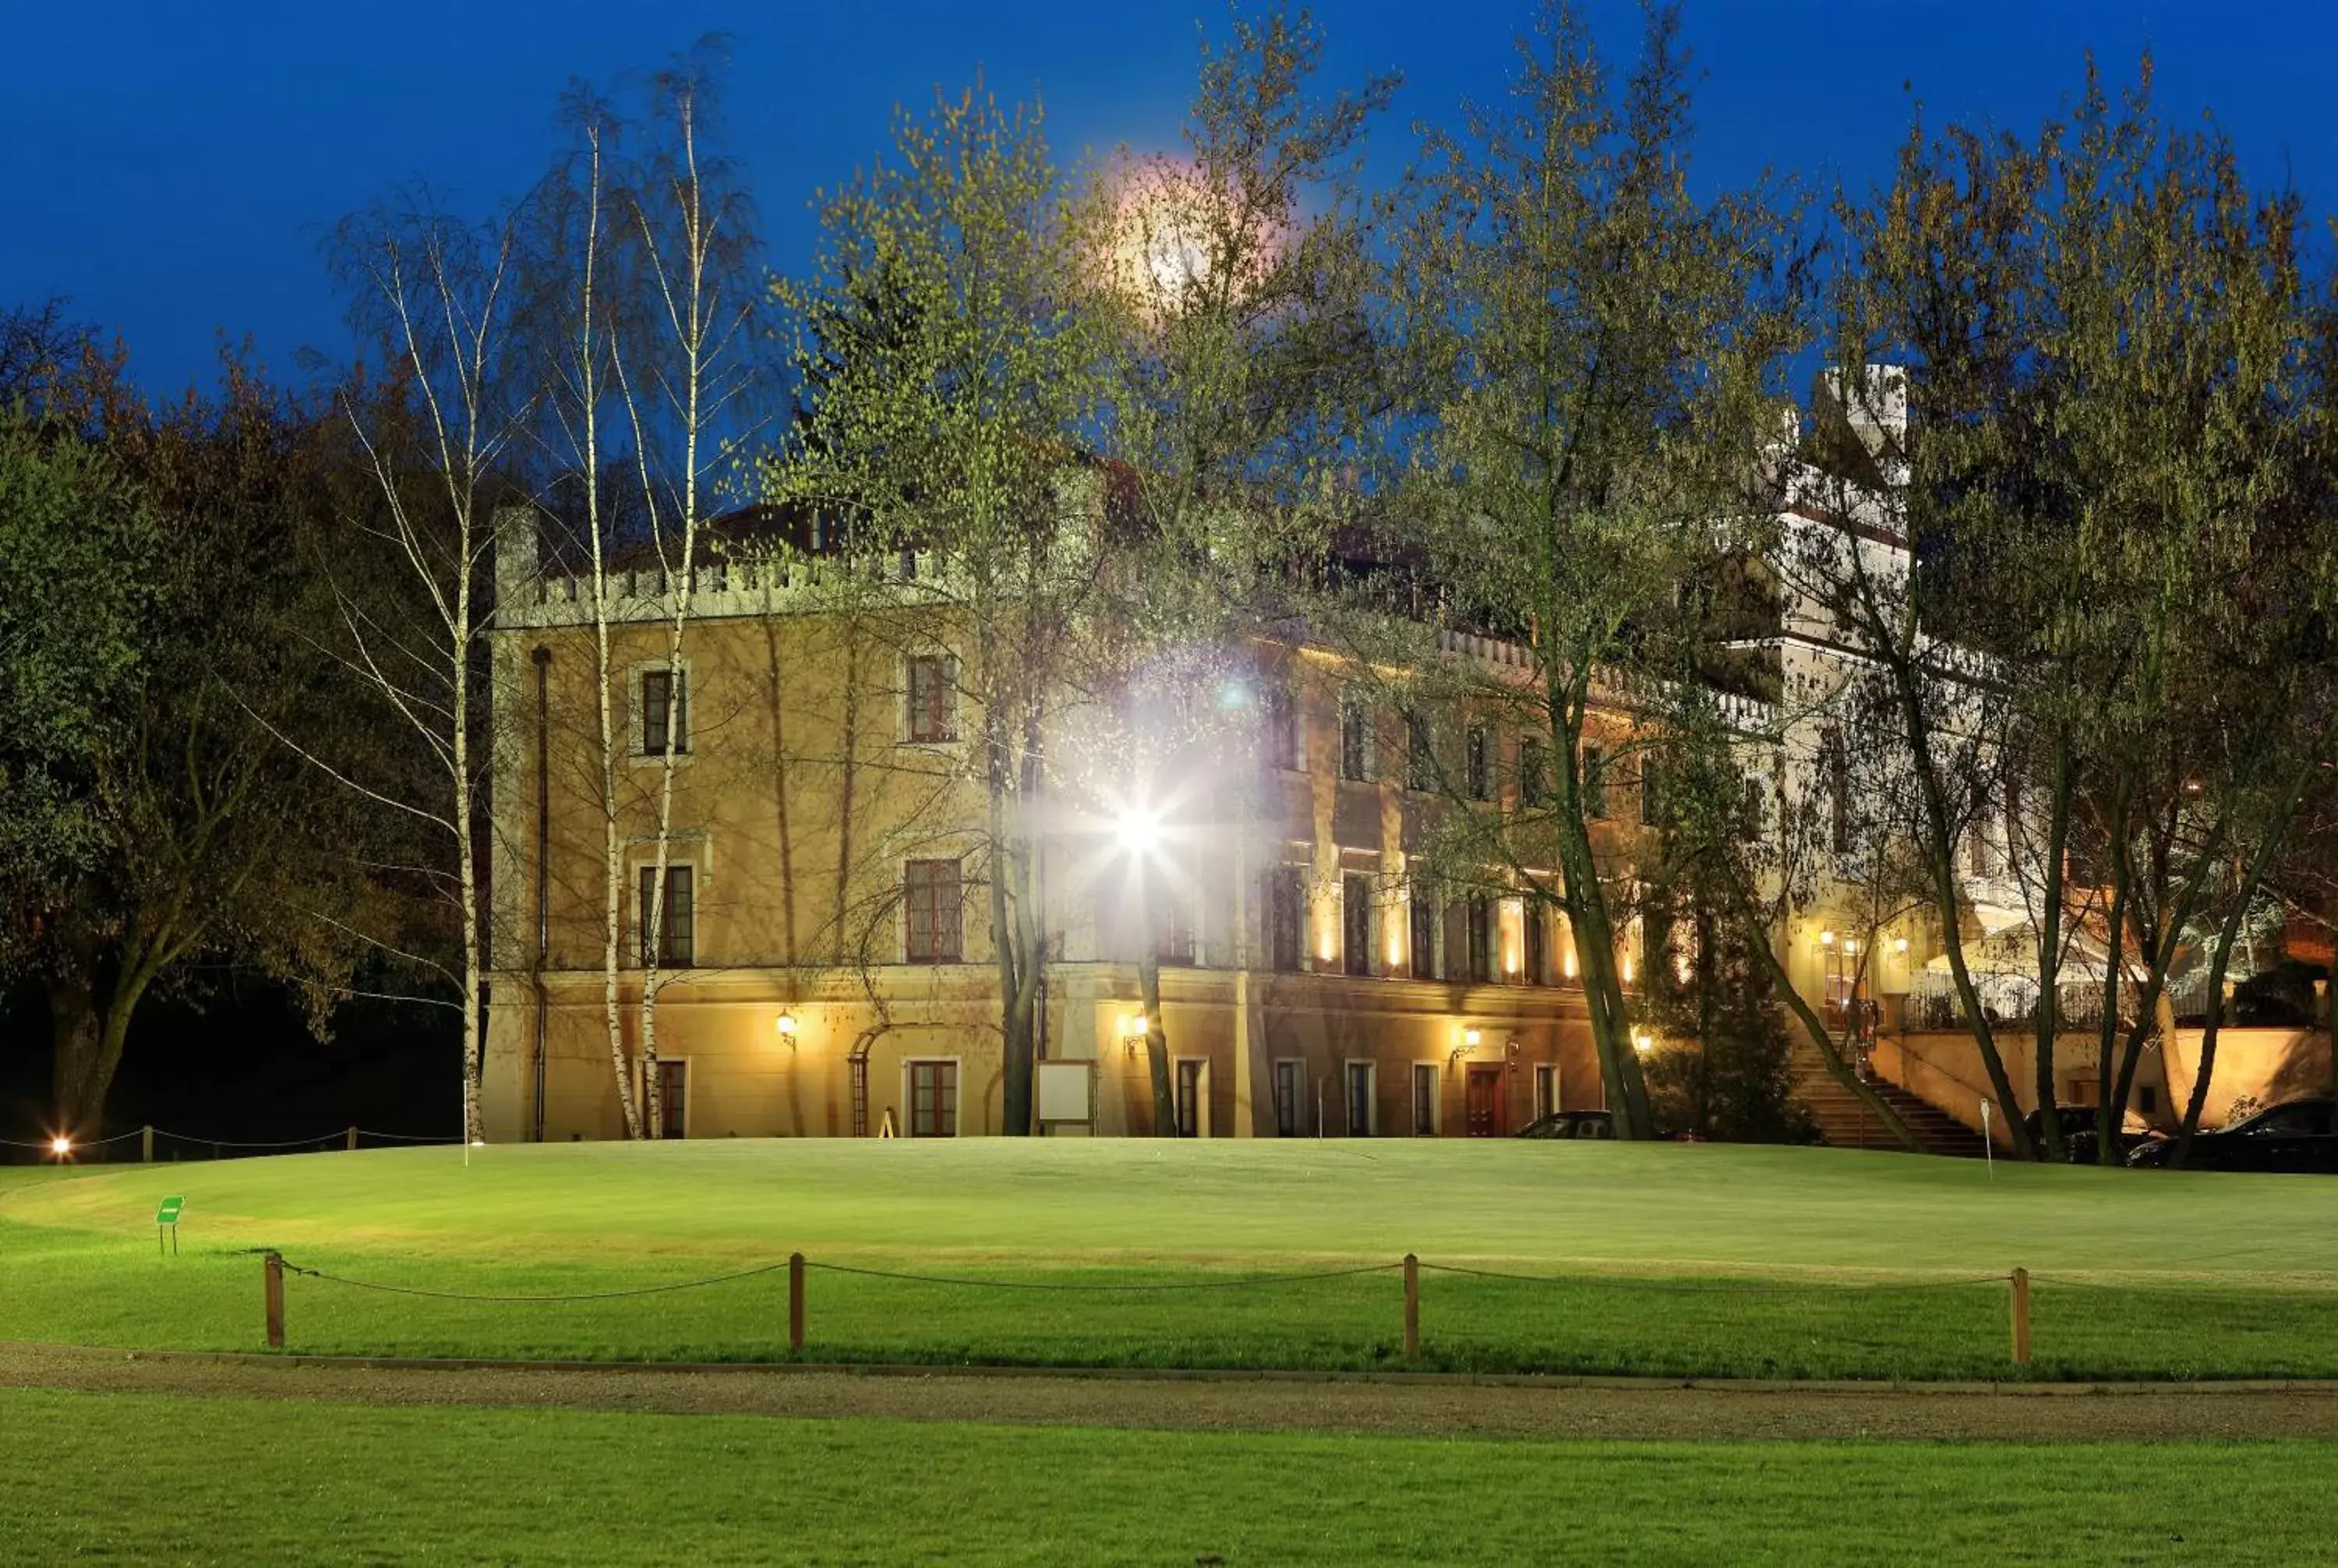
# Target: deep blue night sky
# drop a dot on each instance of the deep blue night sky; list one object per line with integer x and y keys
{"x": 172, "y": 167}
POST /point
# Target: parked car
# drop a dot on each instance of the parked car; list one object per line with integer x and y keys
{"x": 2081, "y": 1131}
{"x": 1570, "y": 1124}
{"x": 2301, "y": 1135}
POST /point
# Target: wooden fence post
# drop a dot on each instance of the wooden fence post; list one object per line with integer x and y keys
{"x": 274, "y": 1265}
{"x": 146, "y": 1143}
{"x": 795, "y": 1301}
{"x": 1411, "y": 1307}
{"x": 353, "y": 1140}
{"x": 2021, "y": 1316}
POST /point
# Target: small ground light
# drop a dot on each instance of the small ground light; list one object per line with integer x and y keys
{"x": 1641, "y": 1043}
{"x": 60, "y": 1146}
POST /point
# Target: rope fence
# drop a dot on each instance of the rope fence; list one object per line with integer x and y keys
{"x": 797, "y": 1268}
{"x": 165, "y": 1144}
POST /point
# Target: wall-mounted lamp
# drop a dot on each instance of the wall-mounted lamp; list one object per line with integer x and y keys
{"x": 1900, "y": 946}
{"x": 1132, "y": 1031}
{"x": 1851, "y": 945}
{"x": 1826, "y": 938}
{"x": 1473, "y": 1037}
{"x": 785, "y": 1024}
{"x": 1641, "y": 1043}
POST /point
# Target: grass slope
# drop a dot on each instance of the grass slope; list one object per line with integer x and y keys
{"x": 313, "y": 1482}
{"x": 1675, "y": 1259}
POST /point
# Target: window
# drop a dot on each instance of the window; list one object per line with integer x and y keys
{"x": 1424, "y": 1099}
{"x": 1419, "y": 754}
{"x": 1355, "y": 743}
{"x": 675, "y": 918}
{"x": 2147, "y": 1099}
{"x": 1838, "y": 775}
{"x": 1478, "y": 764}
{"x": 933, "y": 1098}
{"x": 1424, "y": 934}
{"x": 1360, "y": 1100}
{"x": 1290, "y": 1083}
{"x": 1537, "y": 957}
{"x": 934, "y": 907}
{"x": 1283, "y": 749}
{"x": 1173, "y": 927}
{"x": 674, "y": 1097}
{"x": 1480, "y": 918}
{"x": 1189, "y": 1096}
{"x": 1545, "y": 1085}
{"x": 931, "y": 691}
{"x": 1534, "y": 773}
{"x": 1286, "y": 904}
{"x": 1595, "y": 783}
{"x": 1356, "y": 923}
{"x": 666, "y": 712}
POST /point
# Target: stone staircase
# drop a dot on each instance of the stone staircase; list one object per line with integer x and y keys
{"x": 1845, "y": 1123}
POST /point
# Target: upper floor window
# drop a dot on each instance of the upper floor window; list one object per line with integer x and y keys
{"x": 1595, "y": 783}
{"x": 1355, "y": 743}
{"x": 1478, "y": 920}
{"x": 931, "y": 691}
{"x": 1283, "y": 738}
{"x": 668, "y": 925}
{"x": 1173, "y": 927}
{"x": 666, "y": 712}
{"x": 1356, "y": 923}
{"x": 1838, "y": 784}
{"x": 1534, "y": 773}
{"x": 1286, "y": 913}
{"x": 1419, "y": 754}
{"x": 933, "y": 904}
{"x": 1424, "y": 934}
{"x": 1478, "y": 764}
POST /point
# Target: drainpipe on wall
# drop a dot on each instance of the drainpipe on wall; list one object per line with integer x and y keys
{"x": 543, "y": 657}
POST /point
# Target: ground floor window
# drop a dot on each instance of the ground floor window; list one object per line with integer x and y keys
{"x": 1546, "y": 1080}
{"x": 933, "y": 1098}
{"x": 1189, "y": 1096}
{"x": 1424, "y": 1099}
{"x": 1359, "y": 1099}
{"x": 673, "y": 1098}
{"x": 1290, "y": 1083}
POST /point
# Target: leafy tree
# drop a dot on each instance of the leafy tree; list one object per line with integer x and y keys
{"x": 1242, "y": 371}
{"x": 951, "y": 438}
{"x": 1592, "y": 348}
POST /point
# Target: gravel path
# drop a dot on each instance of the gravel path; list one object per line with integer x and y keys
{"x": 1611, "y": 1409}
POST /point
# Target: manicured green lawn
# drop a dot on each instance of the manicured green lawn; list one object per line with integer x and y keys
{"x": 149, "y": 1478}
{"x": 1678, "y": 1260}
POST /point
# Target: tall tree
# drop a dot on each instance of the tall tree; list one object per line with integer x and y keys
{"x": 1596, "y": 350}
{"x": 949, "y": 441}
{"x": 1243, "y": 372}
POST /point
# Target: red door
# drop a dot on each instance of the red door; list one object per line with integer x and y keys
{"x": 1485, "y": 1118}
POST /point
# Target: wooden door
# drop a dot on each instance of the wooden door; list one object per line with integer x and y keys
{"x": 1485, "y": 1118}
{"x": 673, "y": 1098}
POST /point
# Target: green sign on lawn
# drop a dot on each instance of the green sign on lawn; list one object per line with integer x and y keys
{"x": 169, "y": 1213}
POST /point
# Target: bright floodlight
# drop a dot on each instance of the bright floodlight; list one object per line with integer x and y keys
{"x": 60, "y": 1146}
{"x": 1138, "y": 831}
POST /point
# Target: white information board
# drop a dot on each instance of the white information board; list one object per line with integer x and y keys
{"x": 1067, "y": 1092}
